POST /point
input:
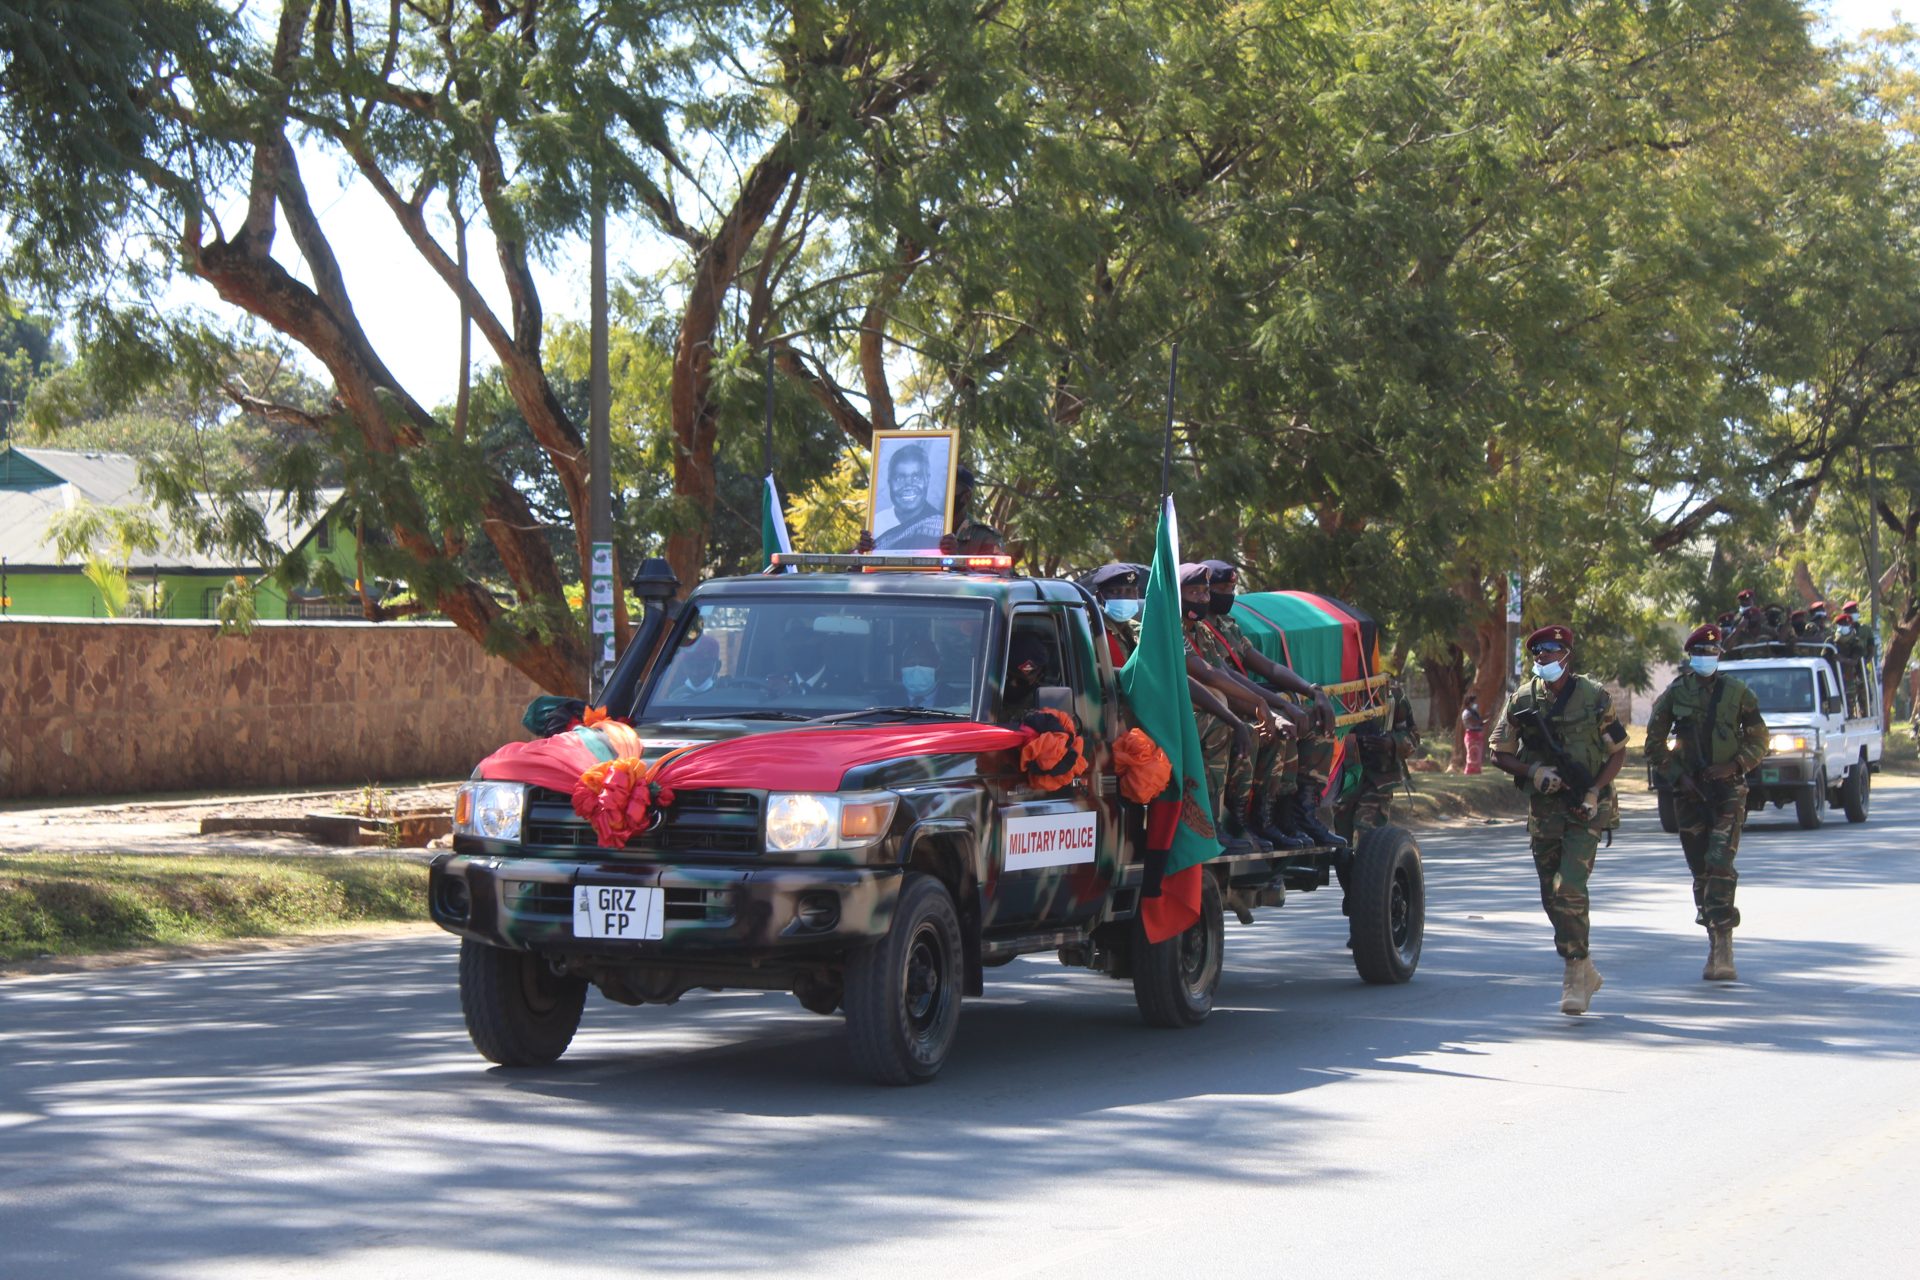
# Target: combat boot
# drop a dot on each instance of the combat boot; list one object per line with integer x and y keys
{"x": 1306, "y": 818}
{"x": 1577, "y": 988}
{"x": 1719, "y": 956}
{"x": 1276, "y": 826}
{"x": 1233, "y": 835}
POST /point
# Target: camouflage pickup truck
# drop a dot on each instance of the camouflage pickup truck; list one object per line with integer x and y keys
{"x": 865, "y": 854}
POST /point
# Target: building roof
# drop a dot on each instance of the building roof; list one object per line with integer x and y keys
{"x": 38, "y": 484}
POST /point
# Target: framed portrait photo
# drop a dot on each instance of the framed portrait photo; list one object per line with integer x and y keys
{"x": 910, "y": 502}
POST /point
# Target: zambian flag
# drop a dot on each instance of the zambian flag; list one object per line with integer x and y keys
{"x": 1180, "y": 833}
{"x": 773, "y": 523}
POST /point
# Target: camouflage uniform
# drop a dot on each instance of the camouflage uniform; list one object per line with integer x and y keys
{"x": 1230, "y": 775}
{"x": 1717, "y": 721}
{"x": 1852, "y": 649}
{"x": 1563, "y": 845}
{"x": 1752, "y": 628}
{"x": 1382, "y": 757}
{"x": 1293, "y": 760}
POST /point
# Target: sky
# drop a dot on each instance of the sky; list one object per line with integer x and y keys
{"x": 413, "y": 322}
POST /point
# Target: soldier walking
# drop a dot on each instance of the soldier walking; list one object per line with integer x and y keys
{"x": 1559, "y": 738}
{"x": 1719, "y": 738}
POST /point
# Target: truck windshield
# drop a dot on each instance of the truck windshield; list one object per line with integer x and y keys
{"x": 1780, "y": 689}
{"x": 800, "y": 659}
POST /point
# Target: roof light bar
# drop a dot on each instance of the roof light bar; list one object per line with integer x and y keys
{"x": 932, "y": 560}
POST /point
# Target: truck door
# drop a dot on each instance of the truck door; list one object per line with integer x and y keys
{"x": 1054, "y": 862}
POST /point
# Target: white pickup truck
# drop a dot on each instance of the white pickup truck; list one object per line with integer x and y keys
{"x": 1823, "y": 746}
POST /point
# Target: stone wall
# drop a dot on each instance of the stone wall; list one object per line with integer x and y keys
{"x": 97, "y": 707}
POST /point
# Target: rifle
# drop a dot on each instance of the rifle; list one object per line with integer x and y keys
{"x": 1537, "y": 733}
{"x": 1691, "y": 738}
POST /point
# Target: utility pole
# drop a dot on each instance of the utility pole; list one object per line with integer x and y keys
{"x": 600, "y": 585}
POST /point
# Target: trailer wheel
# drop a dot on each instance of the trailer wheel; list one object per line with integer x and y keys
{"x": 1810, "y": 803}
{"x": 903, "y": 990}
{"x": 1174, "y": 981}
{"x": 1669, "y": 813}
{"x": 1388, "y": 896}
{"x": 1856, "y": 793}
{"x": 519, "y": 1012}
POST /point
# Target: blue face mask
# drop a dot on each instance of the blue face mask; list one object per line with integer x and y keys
{"x": 1122, "y": 610}
{"x": 1549, "y": 671}
{"x": 918, "y": 681}
{"x": 1704, "y": 663}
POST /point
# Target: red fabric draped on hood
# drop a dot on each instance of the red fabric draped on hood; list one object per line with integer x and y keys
{"x": 784, "y": 760}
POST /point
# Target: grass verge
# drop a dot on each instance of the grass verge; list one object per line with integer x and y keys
{"x": 67, "y": 905}
{"x": 1444, "y": 796}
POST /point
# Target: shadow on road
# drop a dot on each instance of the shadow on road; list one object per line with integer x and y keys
{"x": 308, "y": 1104}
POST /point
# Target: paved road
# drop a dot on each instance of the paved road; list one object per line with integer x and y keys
{"x": 320, "y": 1112}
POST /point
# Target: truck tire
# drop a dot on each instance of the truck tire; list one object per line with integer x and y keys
{"x": 1388, "y": 901}
{"x": 1810, "y": 803}
{"x": 519, "y": 1012}
{"x": 1856, "y": 793}
{"x": 1174, "y": 981}
{"x": 1669, "y": 814}
{"x": 903, "y": 990}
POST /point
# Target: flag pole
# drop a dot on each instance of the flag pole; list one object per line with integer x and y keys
{"x": 1166, "y": 449}
{"x": 766, "y": 444}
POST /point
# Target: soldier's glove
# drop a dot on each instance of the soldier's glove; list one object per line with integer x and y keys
{"x": 1545, "y": 779}
{"x": 1589, "y": 803}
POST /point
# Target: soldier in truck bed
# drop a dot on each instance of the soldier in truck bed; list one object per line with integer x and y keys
{"x": 1290, "y": 806}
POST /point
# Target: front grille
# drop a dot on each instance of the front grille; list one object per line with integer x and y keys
{"x": 544, "y": 898}
{"x": 696, "y": 822}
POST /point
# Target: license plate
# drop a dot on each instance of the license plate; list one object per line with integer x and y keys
{"x": 1769, "y": 775}
{"x": 603, "y": 911}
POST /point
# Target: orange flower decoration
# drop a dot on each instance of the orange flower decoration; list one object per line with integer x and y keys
{"x": 1056, "y": 754}
{"x": 594, "y": 715}
{"x": 1143, "y": 767}
{"x": 615, "y": 797}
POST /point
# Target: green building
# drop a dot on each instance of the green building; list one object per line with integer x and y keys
{"x": 37, "y": 484}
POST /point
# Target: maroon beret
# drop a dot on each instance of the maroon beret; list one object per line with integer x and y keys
{"x": 1556, "y": 634}
{"x": 1704, "y": 637}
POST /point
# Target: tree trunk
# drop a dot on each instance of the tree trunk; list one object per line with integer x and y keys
{"x": 1446, "y": 690}
{"x": 1899, "y": 653}
{"x": 690, "y": 397}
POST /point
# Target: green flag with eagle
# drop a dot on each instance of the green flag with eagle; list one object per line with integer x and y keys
{"x": 1180, "y": 834}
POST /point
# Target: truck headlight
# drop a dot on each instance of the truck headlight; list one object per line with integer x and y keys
{"x": 801, "y": 820}
{"x": 1787, "y": 742}
{"x": 490, "y": 809}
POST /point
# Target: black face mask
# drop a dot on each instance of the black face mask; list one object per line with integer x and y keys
{"x": 1193, "y": 612}
{"x": 1220, "y": 603}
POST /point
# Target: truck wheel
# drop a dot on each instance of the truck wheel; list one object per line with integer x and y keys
{"x": 1174, "y": 981}
{"x": 1389, "y": 902}
{"x": 1856, "y": 792}
{"x": 1669, "y": 814}
{"x": 519, "y": 1012}
{"x": 903, "y": 990}
{"x": 1810, "y": 803}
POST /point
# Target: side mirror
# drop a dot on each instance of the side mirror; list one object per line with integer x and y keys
{"x": 1831, "y": 704}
